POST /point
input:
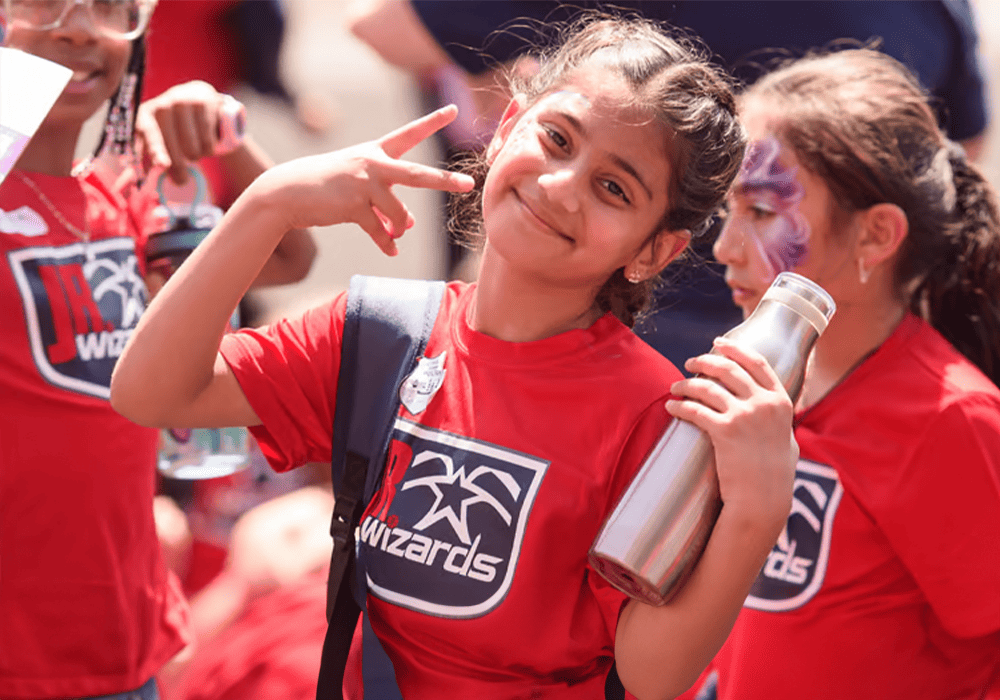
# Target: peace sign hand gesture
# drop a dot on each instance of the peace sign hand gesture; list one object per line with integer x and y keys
{"x": 356, "y": 184}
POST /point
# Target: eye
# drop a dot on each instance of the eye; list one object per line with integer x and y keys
{"x": 616, "y": 190}
{"x": 560, "y": 141}
{"x": 760, "y": 212}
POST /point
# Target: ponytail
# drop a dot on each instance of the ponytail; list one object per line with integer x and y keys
{"x": 861, "y": 121}
{"x": 960, "y": 292}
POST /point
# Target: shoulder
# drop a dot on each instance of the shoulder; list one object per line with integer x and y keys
{"x": 912, "y": 387}
{"x": 929, "y": 353}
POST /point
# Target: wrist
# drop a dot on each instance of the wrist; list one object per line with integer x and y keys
{"x": 754, "y": 526}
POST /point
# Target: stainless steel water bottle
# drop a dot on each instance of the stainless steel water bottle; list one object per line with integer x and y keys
{"x": 654, "y": 536}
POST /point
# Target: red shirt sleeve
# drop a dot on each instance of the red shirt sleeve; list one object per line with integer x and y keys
{"x": 644, "y": 435}
{"x": 942, "y": 516}
{"x": 288, "y": 372}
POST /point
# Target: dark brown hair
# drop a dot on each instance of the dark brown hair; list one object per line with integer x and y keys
{"x": 861, "y": 121}
{"x": 672, "y": 78}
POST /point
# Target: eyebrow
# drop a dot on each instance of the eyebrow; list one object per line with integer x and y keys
{"x": 619, "y": 161}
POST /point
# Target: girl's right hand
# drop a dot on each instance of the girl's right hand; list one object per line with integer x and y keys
{"x": 356, "y": 184}
{"x": 738, "y": 400}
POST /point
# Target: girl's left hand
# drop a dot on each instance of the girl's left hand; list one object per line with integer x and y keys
{"x": 738, "y": 400}
{"x": 178, "y": 127}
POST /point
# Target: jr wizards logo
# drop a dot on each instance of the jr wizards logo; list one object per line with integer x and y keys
{"x": 796, "y": 566}
{"x": 444, "y": 534}
{"x": 81, "y": 304}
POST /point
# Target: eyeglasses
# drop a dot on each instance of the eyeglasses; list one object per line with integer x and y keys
{"x": 117, "y": 19}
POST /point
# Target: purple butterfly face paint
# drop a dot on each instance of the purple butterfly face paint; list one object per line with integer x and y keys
{"x": 772, "y": 192}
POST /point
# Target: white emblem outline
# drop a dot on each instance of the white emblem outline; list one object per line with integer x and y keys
{"x": 538, "y": 466}
{"x": 16, "y": 260}
{"x": 458, "y": 521}
{"x": 819, "y": 573}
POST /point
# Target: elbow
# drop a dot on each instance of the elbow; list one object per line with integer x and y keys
{"x": 362, "y": 22}
{"x": 662, "y": 685}
{"x": 125, "y": 404}
{"x": 130, "y": 401}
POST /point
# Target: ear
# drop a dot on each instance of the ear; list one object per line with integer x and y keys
{"x": 659, "y": 251}
{"x": 506, "y": 125}
{"x": 884, "y": 228}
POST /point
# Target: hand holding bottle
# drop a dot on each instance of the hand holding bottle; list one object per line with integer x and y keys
{"x": 739, "y": 402}
{"x": 733, "y": 445}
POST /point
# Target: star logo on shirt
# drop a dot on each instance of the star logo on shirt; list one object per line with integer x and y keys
{"x": 454, "y": 492}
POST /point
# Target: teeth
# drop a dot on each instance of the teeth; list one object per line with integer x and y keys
{"x": 81, "y": 74}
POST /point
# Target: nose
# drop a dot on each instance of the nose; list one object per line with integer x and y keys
{"x": 729, "y": 247}
{"x": 560, "y": 186}
{"x": 79, "y": 19}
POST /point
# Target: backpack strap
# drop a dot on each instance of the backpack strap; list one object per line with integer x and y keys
{"x": 376, "y": 356}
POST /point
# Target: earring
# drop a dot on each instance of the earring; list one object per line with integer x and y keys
{"x": 119, "y": 126}
{"x": 863, "y": 274}
{"x": 634, "y": 277}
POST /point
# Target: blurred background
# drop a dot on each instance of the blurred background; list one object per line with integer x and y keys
{"x": 363, "y": 97}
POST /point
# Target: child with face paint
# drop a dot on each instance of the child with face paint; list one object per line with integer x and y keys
{"x": 543, "y": 404}
{"x": 885, "y": 582}
{"x": 87, "y": 606}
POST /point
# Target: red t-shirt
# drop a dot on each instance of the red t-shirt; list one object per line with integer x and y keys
{"x": 886, "y": 581}
{"x": 190, "y": 40}
{"x": 86, "y": 604}
{"x": 502, "y": 468}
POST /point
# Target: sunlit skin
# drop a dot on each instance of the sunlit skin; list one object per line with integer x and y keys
{"x": 577, "y": 186}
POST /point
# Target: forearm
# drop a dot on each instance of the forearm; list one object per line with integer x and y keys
{"x": 660, "y": 651}
{"x": 170, "y": 359}
{"x": 171, "y": 373}
{"x": 294, "y": 255}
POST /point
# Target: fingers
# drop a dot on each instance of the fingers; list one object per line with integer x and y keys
{"x": 726, "y": 381}
{"x": 410, "y": 174}
{"x": 374, "y": 225}
{"x": 398, "y": 142}
{"x": 179, "y": 127}
{"x": 187, "y": 136}
{"x": 394, "y": 215}
{"x": 150, "y": 139}
{"x": 751, "y": 361}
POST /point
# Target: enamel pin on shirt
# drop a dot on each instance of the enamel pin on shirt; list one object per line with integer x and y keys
{"x": 419, "y": 388}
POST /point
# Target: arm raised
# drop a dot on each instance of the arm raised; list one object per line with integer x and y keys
{"x": 170, "y": 373}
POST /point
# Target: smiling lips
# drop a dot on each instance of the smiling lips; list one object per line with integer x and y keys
{"x": 83, "y": 78}
{"x": 542, "y": 222}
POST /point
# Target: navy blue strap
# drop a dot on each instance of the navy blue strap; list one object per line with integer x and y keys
{"x": 386, "y": 328}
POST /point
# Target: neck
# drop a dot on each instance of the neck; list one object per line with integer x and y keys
{"x": 51, "y": 151}
{"x": 856, "y": 330}
{"x": 519, "y": 308}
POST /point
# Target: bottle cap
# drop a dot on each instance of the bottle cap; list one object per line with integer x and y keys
{"x": 804, "y": 296}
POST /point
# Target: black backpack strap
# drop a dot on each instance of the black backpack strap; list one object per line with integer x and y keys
{"x": 376, "y": 355}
